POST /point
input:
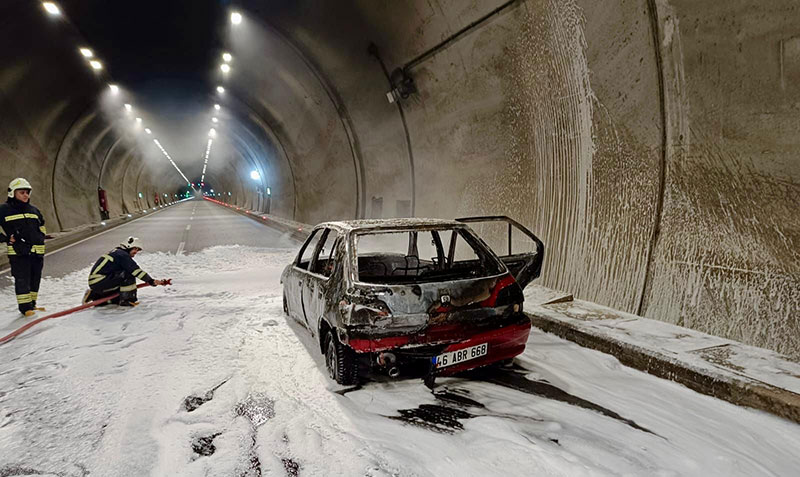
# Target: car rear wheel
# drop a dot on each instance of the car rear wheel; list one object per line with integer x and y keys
{"x": 341, "y": 361}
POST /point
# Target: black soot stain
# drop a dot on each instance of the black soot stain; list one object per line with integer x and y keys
{"x": 445, "y": 417}
{"x": 519, "y": 382}
{"x": 204, "y": 446}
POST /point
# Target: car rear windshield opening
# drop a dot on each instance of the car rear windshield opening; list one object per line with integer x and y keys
{"x": 422, "y": 256}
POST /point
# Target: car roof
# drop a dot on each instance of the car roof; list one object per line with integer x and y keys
{"x": 388, "y": 224}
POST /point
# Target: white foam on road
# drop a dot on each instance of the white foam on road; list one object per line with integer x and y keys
{"x": 101, "y": 391}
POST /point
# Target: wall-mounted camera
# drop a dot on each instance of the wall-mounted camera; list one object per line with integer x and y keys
{"x": 402, "y": 86}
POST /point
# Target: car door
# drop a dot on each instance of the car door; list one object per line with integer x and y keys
{"x": 298, "y": 276}
{"x": 514, "y": 244}
{"x": 322, "y": 267}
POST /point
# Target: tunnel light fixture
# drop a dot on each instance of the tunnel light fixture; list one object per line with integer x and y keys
{"x": 220, "y": 89}
{"x": 166, "y": 154}
{"x": 226, "y": 68}
{"x": 214, "y": 120}
{"x": 217, "y": 107}
{"x": 138, "y": 120}
{"x": 269, "y": 191}
{"x": 96, "y": 65}
{"x": 212, "y": 132}
{"x": 86, "y": 52}
{"x": 236, "y": 18}
{"x": 148, "y": 131}
{"x": 53, "y": 9}
{"x": 255, "y": 175}
{"x": 114, "y": 88}
{"x": 128, "y": 108}
{"x": 226, "y": 57}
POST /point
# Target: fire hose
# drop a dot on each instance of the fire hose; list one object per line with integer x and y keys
{"x": 59, "y": 314}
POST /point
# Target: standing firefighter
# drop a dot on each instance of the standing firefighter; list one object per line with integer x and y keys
{"x": 24, "y": 232}
{"x": 117, "y": 272}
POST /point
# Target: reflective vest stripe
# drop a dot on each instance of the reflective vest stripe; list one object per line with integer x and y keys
{"x": 26, "y": 298}
{"x": 38, "y": 249}
{"x": 96, "y": 277}
{"x": 42, "y": 229}
{"x": 31, "y": 216}
{"x": 15, "y": 217}
{"x": 11, "y": 250}
{"x": 127, "y": 288}
{"x": 139, "y": 273}
{"x": 34, "y": 295}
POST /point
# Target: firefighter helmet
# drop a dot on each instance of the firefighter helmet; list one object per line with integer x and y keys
{"x": 16, "y": 184}
{"x": 131, "y": 242}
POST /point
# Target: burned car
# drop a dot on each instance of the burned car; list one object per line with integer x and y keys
{"x": 398, "y": 293}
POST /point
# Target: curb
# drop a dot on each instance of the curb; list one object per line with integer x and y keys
{"x": 742, "y": 392}
{"x": 297, "y": 230}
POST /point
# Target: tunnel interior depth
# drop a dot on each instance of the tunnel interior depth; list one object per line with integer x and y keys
{"x": 652, "y": 145}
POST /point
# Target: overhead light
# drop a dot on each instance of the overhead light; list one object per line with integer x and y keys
{"x": 96, "y": 65}
{"x": 255, "y": 175}
{"x": 86, "y": 52}
{"x": 216, "y": 106}
{"x": 236, "y": 18}
{"x": 114, "y": 88}
{"x": 128, "y": 107}
{"x": 214, "y": 120}
{"x": 220, "y": 89}
{"x": 212, "y": 132}
{"x": 148, "y": 131}
{"x": 139, "y": 120}
{"x": 53, "y": 9}
{"x": 226, "y": 57}
{"x": 226, "y": 68}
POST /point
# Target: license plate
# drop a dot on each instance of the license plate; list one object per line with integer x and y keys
{"x": 459, "y": 356}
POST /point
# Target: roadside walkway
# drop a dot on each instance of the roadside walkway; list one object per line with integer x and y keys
{"x": 722, "y": 368}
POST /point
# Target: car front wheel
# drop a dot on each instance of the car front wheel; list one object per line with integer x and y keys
{"x": 341, "y": 361}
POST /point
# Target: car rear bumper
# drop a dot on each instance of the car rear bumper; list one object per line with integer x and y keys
{"x": 506, "y": 340}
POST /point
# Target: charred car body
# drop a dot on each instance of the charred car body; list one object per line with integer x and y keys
{"x": 402, "y": 292}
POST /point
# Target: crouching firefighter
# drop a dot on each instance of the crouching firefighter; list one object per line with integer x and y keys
{"x": 24, "y": 232}
{"x": 116, "y": 272}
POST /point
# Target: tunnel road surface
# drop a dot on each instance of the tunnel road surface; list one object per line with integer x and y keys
{"x": 189, "y": 226}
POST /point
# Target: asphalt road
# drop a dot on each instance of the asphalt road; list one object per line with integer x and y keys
{"x": 184, "y": 228}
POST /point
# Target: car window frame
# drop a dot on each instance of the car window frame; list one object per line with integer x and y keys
{"x": 315, "y": 254}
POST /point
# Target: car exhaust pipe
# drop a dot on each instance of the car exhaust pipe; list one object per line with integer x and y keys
{"x": 394, "y": 372}
{"x": 386, "y": 359}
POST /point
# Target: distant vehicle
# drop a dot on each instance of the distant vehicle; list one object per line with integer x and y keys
{"x": 413, "y": 293}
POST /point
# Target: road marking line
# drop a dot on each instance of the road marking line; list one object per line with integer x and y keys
{"x": 180, "y": 248}
{"x": 3, "y": 272}
{"x": 189, "y": 227}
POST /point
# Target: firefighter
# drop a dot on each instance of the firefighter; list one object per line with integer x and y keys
{"x": 117, "y": 272}
{"x": 24, "y": 233}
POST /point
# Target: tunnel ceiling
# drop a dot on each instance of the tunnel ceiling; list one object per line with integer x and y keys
{"x": 651, "y": 144}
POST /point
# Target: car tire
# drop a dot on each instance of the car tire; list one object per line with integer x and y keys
{"x": 340, "y": 360}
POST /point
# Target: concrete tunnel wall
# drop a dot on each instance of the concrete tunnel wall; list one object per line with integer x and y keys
{"x": 650, "y": 143}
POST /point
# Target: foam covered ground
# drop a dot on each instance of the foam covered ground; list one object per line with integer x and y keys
{"x": 104, "y": 392}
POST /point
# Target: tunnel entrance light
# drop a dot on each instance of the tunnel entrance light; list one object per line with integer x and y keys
{"x": 236, "y": 18}
{"x": 220, "y": 89}
{"x": 255, "y": 175}
{"x": 86, "y": 52}
{"x": 53, "y": 9}
{"x": 226, "y": 57}
{"x": 128, "y": 108}
{"x": 114, "y": 88}
{"x": 96, "y": 65}
{"x": 217, "y": 107}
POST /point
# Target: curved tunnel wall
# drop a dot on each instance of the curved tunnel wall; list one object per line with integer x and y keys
{"x": 650, "y": 143}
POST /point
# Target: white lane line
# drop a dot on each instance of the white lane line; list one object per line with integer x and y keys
{"x": 93, "y": 236}
{"x": 189, "y": 227}
{"x": 181, "y": 246}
